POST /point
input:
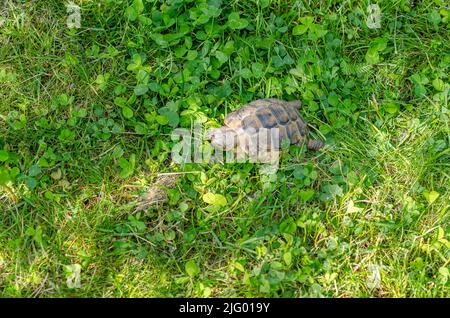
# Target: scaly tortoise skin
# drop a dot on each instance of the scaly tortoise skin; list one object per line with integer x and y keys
{"x": 266, "y": 113}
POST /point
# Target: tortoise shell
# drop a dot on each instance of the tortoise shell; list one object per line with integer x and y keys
{"x": 270, "y": 113}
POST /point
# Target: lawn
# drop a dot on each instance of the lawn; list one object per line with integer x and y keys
{"x": 86, "y": 117}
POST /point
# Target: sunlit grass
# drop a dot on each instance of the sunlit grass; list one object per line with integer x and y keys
{"x": 365, "y": 217}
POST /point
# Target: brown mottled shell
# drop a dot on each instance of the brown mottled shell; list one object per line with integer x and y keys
{"x": 270, "y": 113}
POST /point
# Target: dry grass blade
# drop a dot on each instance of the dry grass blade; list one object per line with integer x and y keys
{"x": 157, "y": 193}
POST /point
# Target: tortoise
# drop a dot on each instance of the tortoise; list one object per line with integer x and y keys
{"x": 246, "y": 122}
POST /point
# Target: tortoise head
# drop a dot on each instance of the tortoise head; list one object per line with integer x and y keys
{"x": 222, "y": 138}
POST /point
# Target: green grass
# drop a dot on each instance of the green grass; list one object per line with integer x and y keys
{"x": 85, "y": 122}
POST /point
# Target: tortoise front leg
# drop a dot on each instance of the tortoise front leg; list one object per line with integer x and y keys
{"x": 315, "y": 144}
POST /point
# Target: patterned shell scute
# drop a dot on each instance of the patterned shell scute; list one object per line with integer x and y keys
{"x": 293, "y": 132}
{"x": 279, "y": 113}
{"x": 282, "y": 133}
{"x": 251, "y": 123}
{"x": 292, "y": 112}
{"x": 302, "y": 127}
{"x": 266, "y": 118}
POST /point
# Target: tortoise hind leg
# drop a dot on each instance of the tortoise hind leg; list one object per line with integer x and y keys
{"x": 315, "y": 144}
